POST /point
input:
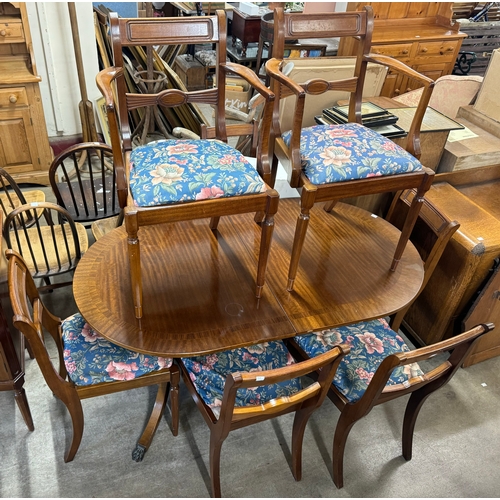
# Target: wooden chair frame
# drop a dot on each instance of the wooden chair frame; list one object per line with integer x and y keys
{"x": 303, "y": 403}
{"x": 32, "y": 323}
{"x": 421, "y": 387}
{"x": 358, "y": 25}
{"x": 86, "y": 193}
{"x": 7, "y": 202}
{"x": 24, "y": 219}
{"x": 377, "y": 393}
{"x": 192, "y": 30}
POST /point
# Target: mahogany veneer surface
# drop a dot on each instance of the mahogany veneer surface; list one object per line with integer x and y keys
{"x": 199, "y": 290}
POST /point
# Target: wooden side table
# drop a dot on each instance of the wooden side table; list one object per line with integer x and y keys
{"x": 246, "y": 28}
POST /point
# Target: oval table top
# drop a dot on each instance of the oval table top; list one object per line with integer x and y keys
{"x": 199, "y": 289}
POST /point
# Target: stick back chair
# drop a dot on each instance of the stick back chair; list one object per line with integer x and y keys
{"x": 51, "y": 243}
{"x": 244, "y": 386}
{"x": 86, "y": 189}
{"x": 380, "y": 366}
{"x": 83, "y": 373}
{"x": 12, "y": 197}
{"x": 175, "y": 180}
{"x": 331, "y": 162}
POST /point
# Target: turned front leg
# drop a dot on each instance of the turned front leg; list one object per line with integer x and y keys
{"x": 134, "y": 255}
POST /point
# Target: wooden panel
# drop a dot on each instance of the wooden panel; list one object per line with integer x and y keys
{"x": 443, "y": 50}
{"x": 15, "y": 96}
{"x": 486, "y": 309}
{"x": 15, "y": 134}
{"x": 400, "y": 51}
{"x": 11, "y": 32}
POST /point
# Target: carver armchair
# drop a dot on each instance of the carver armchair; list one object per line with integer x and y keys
{"x": 237, "y": 388}
{"x": 380, "y": 365}
{"x": 173, "y": 180}
{"x": 331, "y": 162}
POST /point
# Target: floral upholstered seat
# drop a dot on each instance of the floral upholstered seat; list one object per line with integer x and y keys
{"x": 370, "y": 343}
{"x": 91, "y": 359}
{"x": 336, "y": 153}
{"x": 173, "y": 171}
{"x": 208, "y": 373}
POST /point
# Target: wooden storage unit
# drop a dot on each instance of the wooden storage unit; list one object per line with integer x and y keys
{"x": 24, "y": 145}
{"x": 422, "y": 35}
{"x": 472, "y": 198}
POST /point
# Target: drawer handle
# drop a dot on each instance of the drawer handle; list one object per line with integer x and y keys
{"x": 449, "y": 49}
{"x": 425, "y": 49}
{"x": 3, "y": 33}
{"x": 13, "y": 98}
{"x": 404, "y": 51}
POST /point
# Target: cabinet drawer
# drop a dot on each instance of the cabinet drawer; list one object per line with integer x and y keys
{"x": 444, "y": 50}
{"x": 11, "y": 33}
{"x": 399, "y": 51}
{"x": 14, "y": 96}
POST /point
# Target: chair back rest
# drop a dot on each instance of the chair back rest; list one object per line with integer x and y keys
{"x": 458, "y": 348}
{"x": 300, "y": 26}
{"x": 83, "y": 179}
{"x": 430, "y": 235}
{"x": 31, "y": 318}
{"x": 313, "y": 395}
{"x": 11, "y": 196}
{"x": 136, "y": 33}
{"x": 51, "y": 245}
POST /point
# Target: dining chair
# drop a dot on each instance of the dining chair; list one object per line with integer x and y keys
{"x": 83, "y": 180}
{"x": 12, "y": 197}
{"x": 380, "y": 365}
{"x": 89, "y": 365}
{"x": 236, "y": 388}
{"x": 174, "y": 180}
{"x": 51, "y": 243}
{"x": 330, "y": 162}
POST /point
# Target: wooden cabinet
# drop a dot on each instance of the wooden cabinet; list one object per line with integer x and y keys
{"x": 421, "y": 35}
{"x": 24, "y": 145}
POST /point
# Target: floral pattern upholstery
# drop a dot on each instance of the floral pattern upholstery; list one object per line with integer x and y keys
{"x": 370, "y": 343}
{"x": 91, "y": 359}
{"x": 208, "y": 374}
{"x": 336, "y": 153}
{"x": 180, "y": 170}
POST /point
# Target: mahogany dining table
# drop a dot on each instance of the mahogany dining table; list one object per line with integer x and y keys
{"x": 199, "y": 286}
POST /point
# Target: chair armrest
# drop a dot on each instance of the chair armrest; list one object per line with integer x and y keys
{"x": 413, "y": 144}
{"x": 248, "y": 75}
{"x": 104, "y": 80}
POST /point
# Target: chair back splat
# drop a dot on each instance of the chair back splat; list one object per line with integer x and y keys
{"x": 341, "y": 160}
{"x": 175, "y": 180}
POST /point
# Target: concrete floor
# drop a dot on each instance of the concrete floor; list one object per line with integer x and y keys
{"x": 456, "y": 446}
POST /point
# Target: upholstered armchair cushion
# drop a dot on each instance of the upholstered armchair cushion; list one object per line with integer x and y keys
{"x": 208, "y": 374}
{"x": 173, "y": 171}
{"x": 370, "y": 343}
{"x": 336, "y": 153}
{"x": 91, "y": 359}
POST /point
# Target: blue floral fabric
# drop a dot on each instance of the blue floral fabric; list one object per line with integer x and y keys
{"x": 370, "y": 342}
{"x": 208, "y": 374}
{"x": 91, "y": 359}
{"x": 173, "y": 171}
{"x": 336, "y": 153}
